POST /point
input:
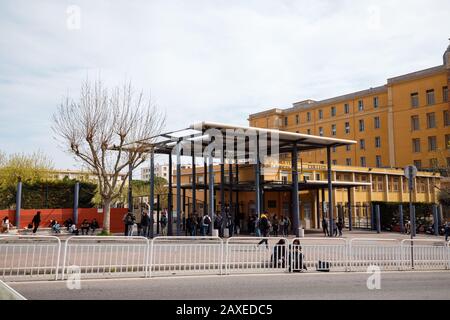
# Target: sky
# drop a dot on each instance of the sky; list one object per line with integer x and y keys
{"x": 211, "y": 60}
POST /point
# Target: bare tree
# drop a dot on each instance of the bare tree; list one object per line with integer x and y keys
{"x": 100, "y": 130}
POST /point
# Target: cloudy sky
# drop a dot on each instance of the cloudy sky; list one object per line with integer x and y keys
{"x": 211, "y": 60}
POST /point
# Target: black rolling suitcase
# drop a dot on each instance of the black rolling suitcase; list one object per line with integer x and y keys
{"x": 323, "y": 266}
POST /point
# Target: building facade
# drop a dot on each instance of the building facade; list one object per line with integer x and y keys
{"x": 406, "y": 121}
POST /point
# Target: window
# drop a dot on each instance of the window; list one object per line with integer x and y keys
{"x": 334, "y": 149}
{"x": 431, "y": 120}
{"x": 285, "y": 121}
{"x": 416, "y": 145}
{"x": 363, "y": 161}
{"x": 308, "y": 116}
{"x": 297, "y": 119}
{"x": 418, "y": 164}
{"x": 446, "y": 118}
{"x": 362, "y": 144}
{"x": 376, "y": 121}
{"x": 377, "y": 142}
{"x": 333, "y": 129}
{"x": 375, "y": 102}
{"x": 347, "y": 127}
{"x": 414, "y": 100}
{"x": 430, "y": 97}
{"x": 320, "y": 114}
{"x": 395, "y": 183}
{"x": 360, "y": 105}
{"x": 320, "y": 131}
{"x": 415, "y": 123}
{"x": 308, "y": 131}
{"x": 432, "y": 143}
{"x": 333, "y": 111}
{"x": 348, "y": 147}
{"x": 378, "y": 161}
{"x": 447, "y": 141}
{"x": 272, "y": 204}
{"x": 361, "y": 125}
{"x": 348, "y": 162}
{"x": 433, "y": 163}
{"x": 445, "y": 94}
{"x": 346, "y": 108}
{"x": 334, "y": 162}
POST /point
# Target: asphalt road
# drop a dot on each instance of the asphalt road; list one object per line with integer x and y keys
{"x": 394, "y": 285}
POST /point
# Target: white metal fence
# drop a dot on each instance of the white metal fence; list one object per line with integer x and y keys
{"x": 384, "y": 253}
{"x": 186, "y": 255}
{"x": 256, "y": 254}
{"x": 29, "y": 257}
{"x": 44, "y": 258}
{"x": 106, "y": 256}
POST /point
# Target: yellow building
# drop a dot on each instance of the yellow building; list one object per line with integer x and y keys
{"x": 406, "y": 121}
{"x": 356, "y": 186}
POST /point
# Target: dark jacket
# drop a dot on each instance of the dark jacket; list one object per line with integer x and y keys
{"x": 36, "y": 219}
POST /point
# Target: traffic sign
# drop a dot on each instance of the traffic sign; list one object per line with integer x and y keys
{"x": 410, "y": 172}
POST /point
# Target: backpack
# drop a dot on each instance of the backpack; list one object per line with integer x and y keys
{"x": 207, "y": 220}
{"x": 264, "y": 223}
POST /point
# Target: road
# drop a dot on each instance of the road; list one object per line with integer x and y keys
{"x": 328, "y": 286}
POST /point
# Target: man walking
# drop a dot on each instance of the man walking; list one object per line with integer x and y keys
{"x": 36, "y": 221}
{"x": 163, "y": 222}
{"x": 264, "y": 226}
{"x": 325, "y": 227}
{"x": 145, "y": 223}
{"x": 206, "y": 222}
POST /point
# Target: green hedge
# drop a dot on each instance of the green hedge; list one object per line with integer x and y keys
{"x": 49, "y": 194}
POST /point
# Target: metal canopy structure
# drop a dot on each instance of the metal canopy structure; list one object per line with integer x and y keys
{"x": 196, "y": 140}
{"x": 198, "y": 133}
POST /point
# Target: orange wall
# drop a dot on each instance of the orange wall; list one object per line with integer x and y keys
{"x": 26, "y": 215}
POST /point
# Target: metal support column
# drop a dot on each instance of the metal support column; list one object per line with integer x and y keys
{"x": 158, "y": 209}
{"x": 194, "y": 183}
{"x": 170, "y": 200}
{"x": 378, "y": 217}
{"x": 151, "y": 200}
{"x": 130, "y": 187}
{"x": 76, "y": 197}
{"x": 18, "y": 202}
{"x": 178, "y": 225}
{"x": 402, "y": 222}
{"x": 330, "y": 191}
{"x": 205, "y": 189}
{"x": 349, "y": 206}
{"x": 211, "y": 194}
{"x": 295, "y": 202}
{"x": 436, "y": 220}
{"x": 257, "y": 181}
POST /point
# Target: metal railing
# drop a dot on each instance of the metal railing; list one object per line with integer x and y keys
{"x": 29, "y": 257}
{"x": 185, "y": 255}
{"x": 314, "y": 253}
{"x": 44, "y": 258}
{"x": 423, "y": 254}
{"x": 247, "y": 255}
{"x": 106, "y": 256}
{"x": 365, "y": 252}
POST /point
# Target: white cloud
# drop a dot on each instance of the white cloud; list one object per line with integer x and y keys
{"x": 205, "y": 60}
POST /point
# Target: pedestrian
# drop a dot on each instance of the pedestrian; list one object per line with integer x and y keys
{"x": 218, "y": 224}
{"x": 56, "y": 228}
{"x": 206, "y": 223}
{"x": 190, "y": 226}
{"x": 68, "y": 223}
{"x": 84, "y": 227}
{"x": 447, "y": 230}
{"x": 128, "y": 221}
{"x": 145, "y": 224}
{"x": 163, "y": 221}
{"x": 264, "y": 227}
{"x": 6, "y": 225}
{"x": 279, "y": 254}
{"x": 335, "y": 229}
{"x": 296, "y": 257}
{"x": 275, "y": 225}
{"x": 326, "y": 232}
{"x": 73, "y": 229}
{"x": 36, "y": 221}
{"x": 340, "y": 226}
{"x": 94, "y": 225}
{"x": 286, "y": 225}
{"x": 230, "y": 225}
